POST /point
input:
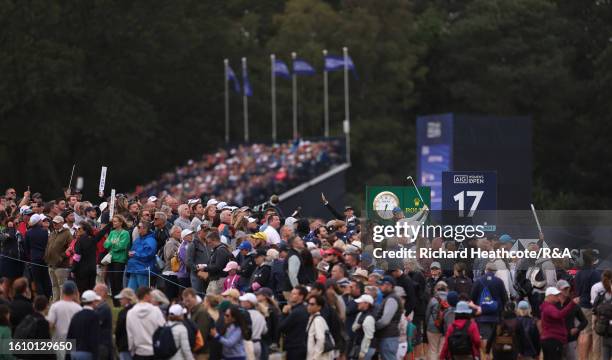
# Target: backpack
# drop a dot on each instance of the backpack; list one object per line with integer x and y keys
{"x": 488, "y": 304}
{"x": 163, "y": 342}
{"x": 26, "y": 328}
{"x": 196, "y": 340}
{"x": 329, "y": 344}
{"x": 459, "y": 341}
{"x": 603, "y": 312}
{"x": 442, "y": 308}
{"x": 504, "y": 340}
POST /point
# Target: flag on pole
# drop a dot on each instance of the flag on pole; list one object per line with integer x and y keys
{"x": 281, "y": 69}
{"x": 248, "y": 91}
{"x": 301, "y": 67}
{"x": 232, "y": 76}
{"x": 335, "y": 63}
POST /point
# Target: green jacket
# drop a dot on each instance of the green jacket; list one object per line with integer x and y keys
{"x": 5, "y": 334}
{"x": 118, "y": 243}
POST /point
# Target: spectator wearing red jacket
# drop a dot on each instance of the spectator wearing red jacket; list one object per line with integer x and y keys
{"x": 554, "y": 330}
{"x": 463, "y": 315}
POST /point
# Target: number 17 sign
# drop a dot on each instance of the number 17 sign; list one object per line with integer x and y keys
{"x": 469, "y": 194}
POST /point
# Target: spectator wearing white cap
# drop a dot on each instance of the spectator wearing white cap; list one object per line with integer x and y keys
{"x": 85, "y": 328}
{"x": 575, "y": 320}
{"x": 176, "y": 314}
{"x": 363, "y": 327}
{"x": 184, "y": 220}
{"x": 259, "y": 326}
{"x": 554, "y": 331}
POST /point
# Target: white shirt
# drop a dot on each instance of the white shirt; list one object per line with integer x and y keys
{"x": 258, "y": 324}
{"x": 60, "y": 315}
{"x": 272, "y": 236}
{"x": 595, "y": 290}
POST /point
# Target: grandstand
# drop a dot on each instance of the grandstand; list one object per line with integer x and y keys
{"x": 249, "y": 174}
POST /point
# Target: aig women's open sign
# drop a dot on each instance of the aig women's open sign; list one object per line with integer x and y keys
{"x": 469, "y": 194}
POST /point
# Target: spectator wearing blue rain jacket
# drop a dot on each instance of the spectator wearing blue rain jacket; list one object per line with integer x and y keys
{"x": 141, "y": 257}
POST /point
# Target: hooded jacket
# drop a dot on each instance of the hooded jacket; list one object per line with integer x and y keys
{"x": 141, "y": 322}
{"x": 144, "y": 249}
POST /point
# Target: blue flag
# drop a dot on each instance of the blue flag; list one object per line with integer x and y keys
{"x": 301, "y": 67}
{"x": 334, "y": 63}
{"x": 281, "y": 69}
{"x": 232, "y": 76}
{"x": 245, "y": 81}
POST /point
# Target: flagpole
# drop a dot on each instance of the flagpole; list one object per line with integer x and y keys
{"x": 226, "y": 63}
{"x": 294, "y": 87}
{"x": 273, "y": 81}
{"x": 325, "y": 99}
{"x": 347, "y": 118}
{"x": 245, "y": 102}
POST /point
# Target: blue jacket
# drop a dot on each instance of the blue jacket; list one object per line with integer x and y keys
{"x": 144, "y": 255}
{"x": 35, "y": 244}
{"x": 498, "y": 292}
{"x": 585, "y": 279}
{"x": 232, "y": 342}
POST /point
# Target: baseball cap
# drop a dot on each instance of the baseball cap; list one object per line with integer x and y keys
{"x": 90, "y": 296}
{"x": 261, "y": 252}
{"x": 126, "y": 293}
{"x": 36, "y": 218}
{"x": 361, "y": 273}
{"x": 251, "y": 220}
{"x": 344, "y": 282}
{"x": 290, "y": 221}
{"x": 463, "y": 308}
{"x": 250, "y": 297}
{"x": 152, "y": 199}
{"x": 551, "y": 290}
{"x": 193, "y": 201}
{"x": 103, "y": 206}
{"x": 233, "y": 293}
{"x": 212, "y": 202}
{"x": 365, "y": 298}
{"x": 562, "y": 284}
{"x": 348, "y": 207}
{"x": 396, "y": 210}
{"x": 185, "y": 233}
{"x": 232, "y": 265}
{"x": 386, "y": 279}
{"x": 177, "y": 310}
{"x": 58, "y": 219}
{"x": 245, "y": 245}
{"x": 435, "y": 265}
{"x": 267, "y": 292}
{"x": 221, "y": 205}
{"x": 523, "y": 305}
{"x": 204, "y": 225}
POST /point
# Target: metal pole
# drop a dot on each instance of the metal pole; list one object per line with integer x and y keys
{"x": 347, "y": 125}
{"x": 226, "y": 81}
{"x": 294, "y": 87}
{"x": 273, "y": 80}
{"x": 245, "y": 100}
{"x": 325, "y": 99}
